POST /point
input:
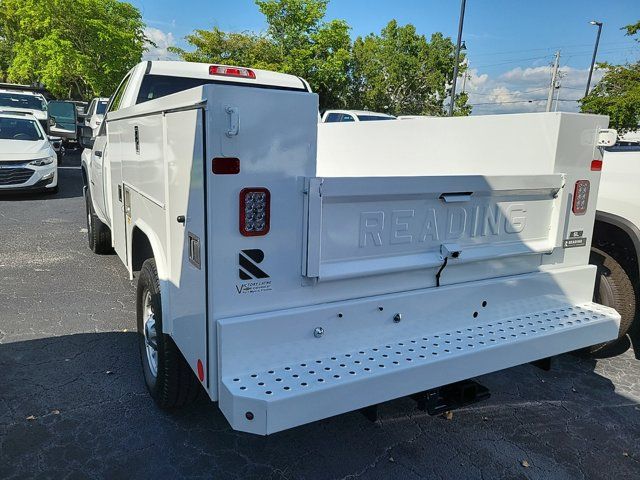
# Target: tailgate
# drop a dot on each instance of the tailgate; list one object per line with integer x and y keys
{"x": 370, "y": 226}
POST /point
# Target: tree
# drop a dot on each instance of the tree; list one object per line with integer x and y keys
{"x": 76, "y": 48}
{"x": 297, "y": 41}
{"x": 397, "y": 71}
{"x": 400, "y": 72}
{"x": 618, "y": 93}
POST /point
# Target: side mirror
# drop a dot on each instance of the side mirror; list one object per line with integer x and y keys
{"x": 52, "y": 121}
{"x": 86, "y": 138}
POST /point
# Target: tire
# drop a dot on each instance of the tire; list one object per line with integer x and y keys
{"x": 98, "y": 233}
{"x": 169, "y": 379}
{"x": 614, "y": 289}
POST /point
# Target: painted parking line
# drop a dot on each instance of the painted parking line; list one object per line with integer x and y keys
{"x": 68, "y": 168}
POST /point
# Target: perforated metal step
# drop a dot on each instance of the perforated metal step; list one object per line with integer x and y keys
{"x": 270, "y": 400}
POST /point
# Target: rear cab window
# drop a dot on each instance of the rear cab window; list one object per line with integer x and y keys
{"x": 157, "y": 86}
{"x": 373, "y": 118}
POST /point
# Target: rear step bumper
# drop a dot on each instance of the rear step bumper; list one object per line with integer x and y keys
{"x": 286, "y": 396}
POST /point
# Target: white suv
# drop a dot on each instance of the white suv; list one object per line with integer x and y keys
{"x": 94, "y": 113}
{"x": 25, "y": 102}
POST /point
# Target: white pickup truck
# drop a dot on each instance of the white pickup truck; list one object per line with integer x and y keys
{"x": 616, "y": 237}
{"x": 296, "y": 271}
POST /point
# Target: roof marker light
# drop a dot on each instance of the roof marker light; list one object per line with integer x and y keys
{"x": 231, "y": 71}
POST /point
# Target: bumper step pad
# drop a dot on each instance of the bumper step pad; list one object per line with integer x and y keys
{"x": 285, "y": 396}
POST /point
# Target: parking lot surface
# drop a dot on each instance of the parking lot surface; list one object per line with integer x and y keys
{"x": 73, "y": 403}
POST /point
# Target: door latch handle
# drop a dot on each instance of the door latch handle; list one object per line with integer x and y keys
{"x": 181, "y": 219}
{"x": 234, "y": 121}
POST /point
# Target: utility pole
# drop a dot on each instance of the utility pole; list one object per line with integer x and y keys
{"x": 552, "y": 85}
{"x": 557, "y": 88}
{"x": 455, "y": 65}
{"x": 464, "y": 77}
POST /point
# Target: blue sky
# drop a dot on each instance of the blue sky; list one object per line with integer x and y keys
{"x": 510, "y": 43}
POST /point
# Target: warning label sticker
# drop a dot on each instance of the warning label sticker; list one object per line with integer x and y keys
{"x": 254, "y": 287}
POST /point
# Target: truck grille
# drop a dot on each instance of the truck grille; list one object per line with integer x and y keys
{"x": 14, "y": 176}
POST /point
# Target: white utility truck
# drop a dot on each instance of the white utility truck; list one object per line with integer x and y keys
{"x": 616, "y": 238}
{"x": 297, "y": 271}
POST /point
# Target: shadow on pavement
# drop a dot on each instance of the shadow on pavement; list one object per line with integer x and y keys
{"x": 77, "y": 405}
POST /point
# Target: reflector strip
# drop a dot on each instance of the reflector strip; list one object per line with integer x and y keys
{"x": 225, "y": 166}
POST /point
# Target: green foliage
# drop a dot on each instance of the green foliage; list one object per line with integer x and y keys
{"x": 396, "y": 72}
{"x": 618, "y": 93}
{"x": 297, "y": 41}
{"x": 400, "y": 72}
{"x": 76, "y": 48}
{"x": 633, "y": 29}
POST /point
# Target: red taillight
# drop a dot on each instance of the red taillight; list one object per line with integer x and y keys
{"x": 225, "y": 166}
{"x": 581, "y": 197}
{"x": 254, "y": 211}
{"x": 231, "y": 71}
{"x": 596, "y": 165}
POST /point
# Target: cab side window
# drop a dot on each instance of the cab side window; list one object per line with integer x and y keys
{"x": 332, "y": 117}
{"x": 115, "y": 102}
{"x": 117, "y": 97}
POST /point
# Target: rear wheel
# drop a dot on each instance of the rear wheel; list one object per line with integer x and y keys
{"x": 169, "y": 378}
{"x": 98, "y": 233}
{"x": 614, "y": 289}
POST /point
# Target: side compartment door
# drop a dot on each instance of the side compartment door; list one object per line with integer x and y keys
{"x": 186, "y": 242}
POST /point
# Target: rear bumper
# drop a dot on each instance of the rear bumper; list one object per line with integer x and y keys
{"x": 296, "y": 378}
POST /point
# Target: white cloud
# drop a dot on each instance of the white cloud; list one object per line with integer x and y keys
{"x": 525, "y": 89}
{"x": 162, "y": 40}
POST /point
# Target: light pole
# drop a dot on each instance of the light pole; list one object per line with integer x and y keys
{"x": 595, "y": 51}
{"x": 455, "y": 65}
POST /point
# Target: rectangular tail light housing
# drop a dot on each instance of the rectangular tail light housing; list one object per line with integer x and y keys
{"x": 581, "y": 197}
{"x": 255, "y": 205}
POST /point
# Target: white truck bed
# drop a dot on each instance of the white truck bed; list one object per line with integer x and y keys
{"x": 447, "y": 245}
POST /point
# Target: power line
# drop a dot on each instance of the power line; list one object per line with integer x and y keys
{"x": 521, "y": 101}
{"x": 569, "y": 56}
{"x": 562, "y": 47}
{"x": 491, "y": 93}
{"x": 515, "y": 60}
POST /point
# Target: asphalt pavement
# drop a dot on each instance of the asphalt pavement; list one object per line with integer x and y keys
{"x": 73, "y": 403}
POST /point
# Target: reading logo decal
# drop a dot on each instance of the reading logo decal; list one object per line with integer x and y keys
{"x": 248, "y": 270}
{"x": 575, "y": 240}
